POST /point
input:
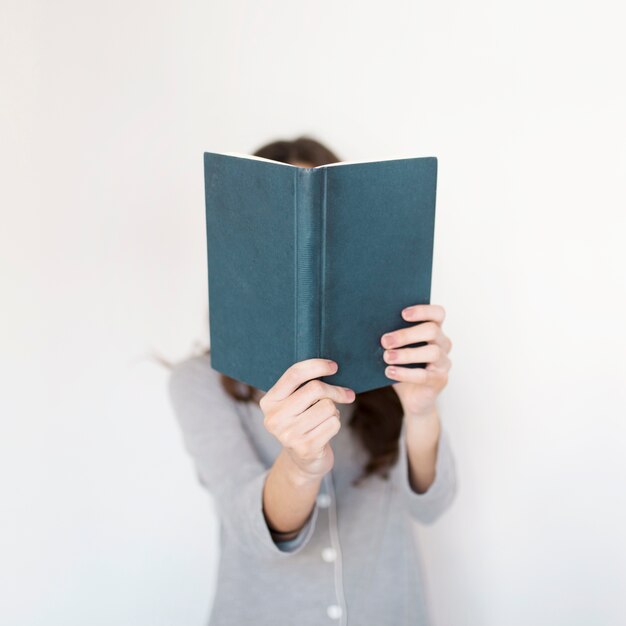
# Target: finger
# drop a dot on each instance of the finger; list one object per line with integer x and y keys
{"x": 437, "y": 378}
{"x": 298, "y": 374}
{"x": 315, "y": 390}
{"x": 312, "y": 417}
{"x": 444, "y": 364}
{"x": 424, "y": 312}
{"x": 440, "y": 369}
{"x": 321, "y": 434}
{"x": 417, "y": 375}
{"x": 428, "y": 331}
{"x": 430, "y": 353}
{"x": 314, "y": 443}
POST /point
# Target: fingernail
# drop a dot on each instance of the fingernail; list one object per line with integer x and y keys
{"x": 387, "y": 340}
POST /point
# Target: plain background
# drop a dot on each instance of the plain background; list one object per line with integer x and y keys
{"x": 106, "y": 109}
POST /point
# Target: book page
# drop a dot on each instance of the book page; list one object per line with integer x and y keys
{"x": 251, "y": 156}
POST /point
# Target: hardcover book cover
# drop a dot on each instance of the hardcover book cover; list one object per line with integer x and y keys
{"x": 314, "y": 262}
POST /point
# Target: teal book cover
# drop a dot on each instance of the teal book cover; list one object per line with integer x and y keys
{"x": 314, "y": 262}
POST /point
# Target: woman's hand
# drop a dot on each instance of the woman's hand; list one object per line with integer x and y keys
{"x": 419, "y": 387}
{"x": 305, "y": 418}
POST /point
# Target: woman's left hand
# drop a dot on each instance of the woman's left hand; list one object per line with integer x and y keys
{"x": 419, "y": 387}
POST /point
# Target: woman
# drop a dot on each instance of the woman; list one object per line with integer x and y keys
{"x": 316, "y": 488}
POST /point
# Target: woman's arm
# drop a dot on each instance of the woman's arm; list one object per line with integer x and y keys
{"x": 225, "y": 460}
{"x": 415, "y": 468}
{"x": 422, "y": 441}
{"x": 300, "y": 412}
{"x": 426, "y": 470}
{"x": 288, "y": 498}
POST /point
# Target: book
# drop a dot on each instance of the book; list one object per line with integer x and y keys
{"x": 314, "y": 262}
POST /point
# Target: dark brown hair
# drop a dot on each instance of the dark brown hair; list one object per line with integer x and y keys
{"x": 377, "y": 415}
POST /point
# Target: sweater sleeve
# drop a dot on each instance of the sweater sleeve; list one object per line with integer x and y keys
{"x": 225, "y": 460}
{"x": 290, "y": 545}
{"x": 430, "y": 505}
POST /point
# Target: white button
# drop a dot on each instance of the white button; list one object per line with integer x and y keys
{"x": 334, "y": 611}
{"x": 323, "y": 500}
{"x": 329, "y": 554}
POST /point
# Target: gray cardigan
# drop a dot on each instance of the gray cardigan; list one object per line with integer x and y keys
{"x": 355, "y": 562}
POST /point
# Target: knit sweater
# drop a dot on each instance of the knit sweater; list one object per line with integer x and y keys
{"x": 356, "y": 560}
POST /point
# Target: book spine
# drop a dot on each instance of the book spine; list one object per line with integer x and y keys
{"x": 309, "y": 259}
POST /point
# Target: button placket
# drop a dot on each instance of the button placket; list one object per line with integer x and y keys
{"x": 332, "y": 553}
{"x": 329, "y": 555}
{"x": 323, "y": 500}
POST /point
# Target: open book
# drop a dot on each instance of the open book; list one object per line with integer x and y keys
{"x": 314, "y": 262}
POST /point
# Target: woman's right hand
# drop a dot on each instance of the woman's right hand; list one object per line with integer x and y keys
{"x": 305, "y": 418}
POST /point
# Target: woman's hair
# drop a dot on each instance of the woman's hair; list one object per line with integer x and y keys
{"x": 377, "y": 416}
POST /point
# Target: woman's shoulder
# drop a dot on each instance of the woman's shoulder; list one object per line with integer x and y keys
{"x": 194, "y": 380}
{"x": 199, "y": 364}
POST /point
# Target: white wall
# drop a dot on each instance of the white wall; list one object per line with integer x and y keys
{"x": 106, "y": 109}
